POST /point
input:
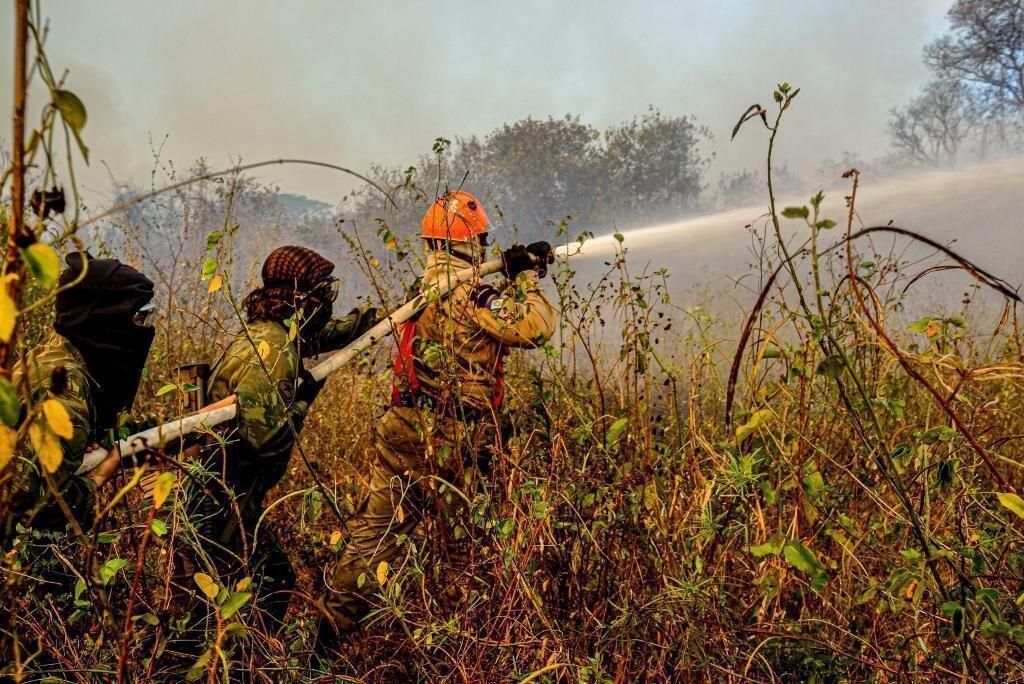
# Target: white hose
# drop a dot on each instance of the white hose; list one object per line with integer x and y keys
{"x": 162, "y": 434}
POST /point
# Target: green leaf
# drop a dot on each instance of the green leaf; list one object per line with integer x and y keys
{"x": 158, "y": 527}
{"x": 10, "y": 404}
{"x": 796, "y": 212}
{"x": 614, "y": 432}
{"x": 771, "y": 353}
{"x": 236, "y": 629}
{"x": 772, "y": 547}
{"x": 198, "y": 668}
{"x": 71, "y": 108}
{"x": 165, "y": 389}
{"x": 802, "y": 558}
{"x": 209, "y": 268}
{"x": 234, "y": 602}
{"x": 814, "y": 484}
{"x": 109, "y": 569}
{"x": 1012, "y": 502}
{"x": 148, "y": 618}
{"x": 43, "y": 261}
{"x": 212, "y": 240}
{"x": 618, "y": 236}
{"x": 919, "y": 326}
{"x": 506, "y": 528}
{"x": 825, "y": 224}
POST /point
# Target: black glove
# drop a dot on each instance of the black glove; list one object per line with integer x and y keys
{"x": 515, "y": 260}
{"x": 309, "y": 387}
{"x": 542, "y": 256}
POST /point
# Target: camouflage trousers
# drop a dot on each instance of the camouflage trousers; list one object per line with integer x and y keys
{"x": 420, "y": 456}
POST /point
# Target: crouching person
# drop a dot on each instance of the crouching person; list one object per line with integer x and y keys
{"x": 446, "y": 398}
{"x": 289, "y": 318}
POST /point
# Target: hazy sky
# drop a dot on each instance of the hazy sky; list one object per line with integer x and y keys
{"x": 360, "y": 82}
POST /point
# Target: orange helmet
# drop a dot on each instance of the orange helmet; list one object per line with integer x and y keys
{"x": 456, "y": 216}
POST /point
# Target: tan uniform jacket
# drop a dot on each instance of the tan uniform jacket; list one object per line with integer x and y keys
{"x": 463, "y": 339}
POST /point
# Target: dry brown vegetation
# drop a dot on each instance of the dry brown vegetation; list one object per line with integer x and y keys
{"x": 819, "y": 493}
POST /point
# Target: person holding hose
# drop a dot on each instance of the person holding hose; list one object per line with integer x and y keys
{"x": 289, "y": 318}
{"x": 446, "y": 398}
{"x": 75, "y": 386}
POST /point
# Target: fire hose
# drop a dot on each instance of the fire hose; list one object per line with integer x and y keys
{"x": 227, "y": 408}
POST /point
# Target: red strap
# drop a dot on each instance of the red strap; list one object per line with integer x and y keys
{"x": 404, "y": 375}
{"x": 499, "y": 375}
{"x": 404, "y": 370}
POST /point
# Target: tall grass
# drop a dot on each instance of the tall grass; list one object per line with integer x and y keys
{"x": 812, "y": 494}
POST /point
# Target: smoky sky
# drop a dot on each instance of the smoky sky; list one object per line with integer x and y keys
{"x": 357, "y": 83}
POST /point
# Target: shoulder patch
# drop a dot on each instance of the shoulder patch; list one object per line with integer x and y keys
{"x": 484, "y": 296}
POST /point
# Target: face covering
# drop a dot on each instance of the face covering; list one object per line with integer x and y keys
{"x": 98, "y": 315}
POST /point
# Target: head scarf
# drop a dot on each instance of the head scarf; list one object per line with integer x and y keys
{"x": 96, "y": 314}
{"x": 289, "y": 273}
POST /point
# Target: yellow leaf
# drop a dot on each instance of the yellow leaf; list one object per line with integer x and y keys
{"x": 206, "y": 585}
{"x": 293, "y": 331}
{"x": 58, "y": 419}
{"x": 8, "y": 314}
{"x": 46, "y": 446}
{"x": 263, "y": 349}
{"x": 1012, "y": 502}
{"x": 391, "y": 244}
{"x": 162, "y": 489}
{"x": 8, "y": 440}
{"x": 400, "y": 514}
{"x": 757, "y": 419}
{"x": 44, "y": 262}
{"x": 215, "y": 283}
{"x": 243, "y": 584}
{"x": 382, "y": 573}
{"x": 335, "y": 538}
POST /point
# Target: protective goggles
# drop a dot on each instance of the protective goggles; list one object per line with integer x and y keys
{"x": 145, "y": 317}
{"x": 327, "y": 288}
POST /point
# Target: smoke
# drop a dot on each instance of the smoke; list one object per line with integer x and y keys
{"x": 364, "y": 83}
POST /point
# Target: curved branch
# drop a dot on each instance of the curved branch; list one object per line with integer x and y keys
{"x": 235, "y": 169}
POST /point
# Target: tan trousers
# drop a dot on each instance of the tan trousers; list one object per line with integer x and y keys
{"x": 417, "y": 453}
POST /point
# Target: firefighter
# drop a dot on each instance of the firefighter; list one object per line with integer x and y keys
{"x": 446, "y": 397}
{"x": 90, "y": 363}
{"x": 289, "y": 318}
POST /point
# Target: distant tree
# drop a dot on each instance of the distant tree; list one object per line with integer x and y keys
{"x": 976, "y": 100}
{"x": 933, "y": 127}
{"x": 535, "y": 173}
{"x": 985, "y": 48}
{"x": 653, "y": 167}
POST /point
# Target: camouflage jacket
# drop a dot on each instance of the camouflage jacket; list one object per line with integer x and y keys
{"x": 31, "y": 500}
{"x": 269, "y": 417}
{"x": 463, "y": 339}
